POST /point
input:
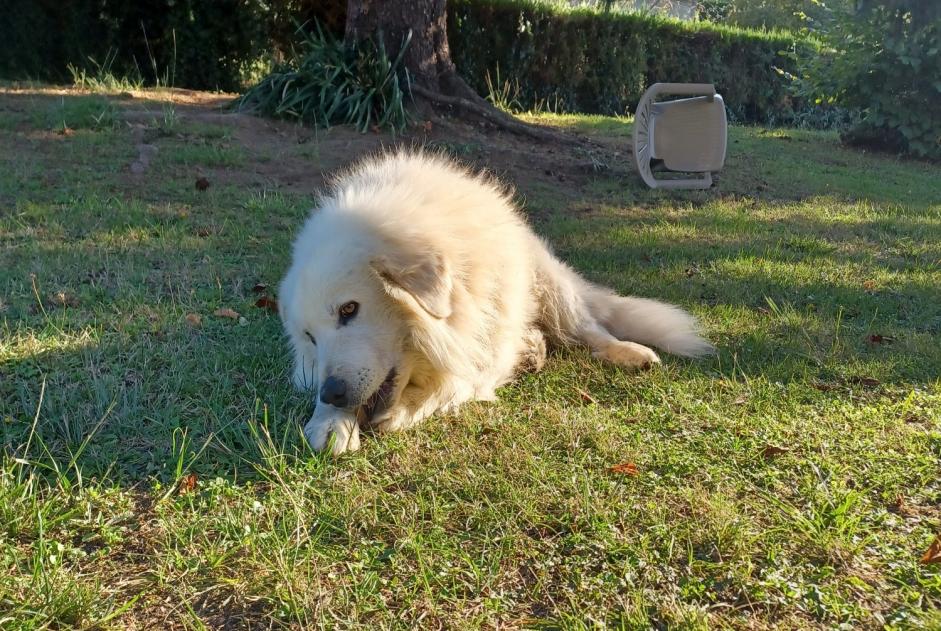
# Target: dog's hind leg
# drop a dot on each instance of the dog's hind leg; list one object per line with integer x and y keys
{"x": 616, "y": 328}
{"x": 607, "y": 347}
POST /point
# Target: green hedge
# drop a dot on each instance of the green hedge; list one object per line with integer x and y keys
{"x": 218, "y": 44}
{"x": 576, "y": 60}
{"x": 586, "y": 61}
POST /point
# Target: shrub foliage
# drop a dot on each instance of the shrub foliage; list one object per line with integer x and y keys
{"x": 586, "y": 61}
{"x": 190, "y": 43}
{"x": 884, "y": 62}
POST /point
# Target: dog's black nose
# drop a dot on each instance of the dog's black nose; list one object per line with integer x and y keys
{"x": 333, "y": 392}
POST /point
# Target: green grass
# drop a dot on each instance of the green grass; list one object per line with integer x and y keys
{"x": 89, "y": 112}
{"x": 768, "y": 480}
{"x": 211, "y": 154}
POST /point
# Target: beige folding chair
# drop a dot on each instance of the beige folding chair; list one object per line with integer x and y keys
{"x": 688, "y": 135}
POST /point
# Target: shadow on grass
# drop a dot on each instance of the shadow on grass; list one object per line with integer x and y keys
{"x": 785, "y": 298}
{"x": 786, "y": 303}
{"x": 807, "y": 294}
{"x": 204, "y": 401}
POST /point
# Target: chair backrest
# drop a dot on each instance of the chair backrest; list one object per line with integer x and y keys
{"x": 689, "y": 134}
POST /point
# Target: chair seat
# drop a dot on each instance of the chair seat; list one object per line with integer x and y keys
{"x": 689, "y": 134}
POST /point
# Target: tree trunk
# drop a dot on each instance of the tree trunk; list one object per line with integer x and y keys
{"x": 427, "y": 58}
{"x": 433, "y": 76}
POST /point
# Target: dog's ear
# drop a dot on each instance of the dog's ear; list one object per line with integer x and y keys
{"x": 422, "y": 274}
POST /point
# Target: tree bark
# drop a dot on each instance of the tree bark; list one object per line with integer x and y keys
{"x": 433, "y": 76}
{"x": 428, "y": 57}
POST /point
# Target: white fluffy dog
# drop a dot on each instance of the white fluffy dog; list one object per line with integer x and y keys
{"x": 416, "y": 286}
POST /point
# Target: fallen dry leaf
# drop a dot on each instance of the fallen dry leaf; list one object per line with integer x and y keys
{"x": 900, "y": 507}
{"x": 933, "y": 554}
{"x": 225, "y": 312}
{"x": 259, "y": 287}
{"x": 194, "y": 319}
{"x": 878, "y": 338}
{"x": 625, "y": 468}
{"x": 741, "y": 400}
{"x": 586, "y": 398}
{"x": 770, "y": 451}
{"x": 267, "y": 303}
{"x": 869, "y": 285}
{"x": 66, "y": 131}
{"x": 202, "y": 184}
{"x": 187, "y": 484}
{"x": 63, "y": 299}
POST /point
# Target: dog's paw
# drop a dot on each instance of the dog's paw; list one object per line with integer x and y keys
{"x": 338, "y": 433}
{"x": 628, "y": 355}
{"x": 533, "y": 357}
{"x": 390, "y": 421}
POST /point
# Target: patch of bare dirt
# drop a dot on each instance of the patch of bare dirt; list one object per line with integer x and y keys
{"x": 286, "y": 156}
{"x": 297, "y": 158}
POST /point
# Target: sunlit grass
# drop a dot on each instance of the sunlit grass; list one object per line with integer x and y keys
{"x": 790, "y": 481}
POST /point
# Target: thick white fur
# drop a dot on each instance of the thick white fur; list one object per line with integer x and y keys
{"x": 456, "y": 294}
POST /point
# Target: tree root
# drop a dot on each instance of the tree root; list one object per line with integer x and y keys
{"x": 496, "y": 117}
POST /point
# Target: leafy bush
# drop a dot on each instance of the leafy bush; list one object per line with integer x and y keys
{"x": 207, "y": 45}
{"x": 589, "y": 61}
{"x": 787, "y": 14}
{"x": 327, "y": 82}
{"x": 883, "y": 62}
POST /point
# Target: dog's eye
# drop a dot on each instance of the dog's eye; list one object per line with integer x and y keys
{"x": 311, "y": 338}
{"x": 348, "y": 311}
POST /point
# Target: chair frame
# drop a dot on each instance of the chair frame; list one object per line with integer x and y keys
{"x": 643, "y": 147}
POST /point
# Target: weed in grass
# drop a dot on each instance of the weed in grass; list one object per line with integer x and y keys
{"x": 169, "y": 123}
{"x": 328, "y": 82}
{"x": 207, "y": 155}
{"x": 87, "y": 112}
{"x": 503, "y": 95}
{"x": 202, "y": 130}
{"x": 100, "y": 77}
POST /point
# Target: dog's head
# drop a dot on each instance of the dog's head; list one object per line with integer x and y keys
{"x": 349, "y": 303}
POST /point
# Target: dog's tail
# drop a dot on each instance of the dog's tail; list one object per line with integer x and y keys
{"x": 646, "y": 321}
{"x": 574, "y": 310}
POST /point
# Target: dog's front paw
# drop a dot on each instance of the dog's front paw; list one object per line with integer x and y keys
{"x": 337, "y": 432}
{"x": 533, "y": 357}
{"x": 389, "y": 421}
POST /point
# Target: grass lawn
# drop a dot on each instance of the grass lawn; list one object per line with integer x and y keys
{"x": 154, "y": 475}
